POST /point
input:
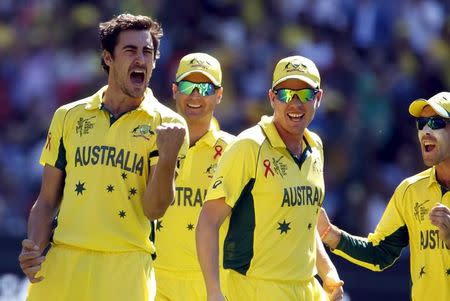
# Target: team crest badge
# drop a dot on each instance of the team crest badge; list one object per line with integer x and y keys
{"x": 143, "y": 131}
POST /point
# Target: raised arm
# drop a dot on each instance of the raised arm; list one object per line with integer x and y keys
{"x": 211, "y": 217}
{"x": 161, "y": 185}
{"x": 40, "y": 222}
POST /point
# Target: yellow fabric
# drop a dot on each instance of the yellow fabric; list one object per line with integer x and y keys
{"x": 175, "y": 232}
{"x": 439, "y": 102}
{"x": 73, "y": 274}
{"x": 200, "y": 63}
{"x": 251, "y": 289}
{"x": 286, "y": 200}
{"x": 107, "y": 167}
{"x": 298, "y": 67}
{"x": 430, "y": 258}
{"x": 182, "y": 285}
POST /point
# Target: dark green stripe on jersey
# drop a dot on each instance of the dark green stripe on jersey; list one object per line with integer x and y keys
{"x": 61, "y": 161}
{"x": 238, "y": 244}
{"x": 383, "y": 255}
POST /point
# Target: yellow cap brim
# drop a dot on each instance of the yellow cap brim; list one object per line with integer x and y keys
{"x": 213, "y": 80}
{"x": 305, "y": 79}
{"x": 416, "y": 107}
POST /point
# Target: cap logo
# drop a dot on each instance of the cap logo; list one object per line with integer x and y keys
{"x": 291, "y": 67}
{"x": 196, "y": 63}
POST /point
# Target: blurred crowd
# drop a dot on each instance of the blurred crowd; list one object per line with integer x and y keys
{"x": 375, "y": 57}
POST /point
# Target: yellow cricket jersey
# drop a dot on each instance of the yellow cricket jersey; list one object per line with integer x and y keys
{"x": 175, "y": 232}
{"x": 275, "y": 199}
{"x": 106, "y": 164}
{"x": 405, "y": 221}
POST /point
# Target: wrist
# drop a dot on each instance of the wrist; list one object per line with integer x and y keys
{"x": 331, "y": 237}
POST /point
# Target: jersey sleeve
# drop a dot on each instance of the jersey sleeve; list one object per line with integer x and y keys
{"x": 235, "y": 170}
{"x": 383, "y": 247}
{"x": 54, "y": 151}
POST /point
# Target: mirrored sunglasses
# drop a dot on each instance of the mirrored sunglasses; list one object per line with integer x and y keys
{"x": 304, "y": 95}
{"x": 204, "y": 89}
{"x": 435, "y": 122}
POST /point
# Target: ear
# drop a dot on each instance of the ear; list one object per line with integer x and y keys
{"x": 174, "y": 90}
{"x": 107, "y": 57}
{"x": 219, "y": 93}
{"x": 318, "y": 99}
{"x": 271, "y": 97}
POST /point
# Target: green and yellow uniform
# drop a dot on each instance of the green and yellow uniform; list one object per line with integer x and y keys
{"x": 405, "y": 221}
{"x": 106, "y": 163}
{"x": 275, "y": 199}
{"x": 177, "y": 271}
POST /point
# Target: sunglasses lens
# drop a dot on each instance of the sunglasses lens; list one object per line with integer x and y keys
{"x": 204, "y": 89}
{"x": 435, "y": 123}
{"x": 286, "y": 95}
{"x": 186, "y": 87}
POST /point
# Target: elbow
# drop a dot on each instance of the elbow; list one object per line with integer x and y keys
{"x": 153, "y": 214}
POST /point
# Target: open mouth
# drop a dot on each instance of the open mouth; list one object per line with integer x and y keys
{"x": 137, "y": 77}
{"x": 296, "y": 116}
{"x": 192, "y": 106}
{"x": 428, "y": 146}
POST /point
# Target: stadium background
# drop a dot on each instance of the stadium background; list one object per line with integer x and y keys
{"x": 374, "y": 58}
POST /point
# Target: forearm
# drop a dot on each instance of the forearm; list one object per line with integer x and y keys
{"x": 325, "y": 266}
{"x": 374, "y": 257}
{"x": 160, "y": 189}
{"x": 207, "y": 240}
{"x": 40, "y": 224}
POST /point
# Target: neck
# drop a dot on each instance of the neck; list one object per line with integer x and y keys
{"x": 118, "y": 103}
{"x": 197, "y": 131}
{"x": 294, "y": 142}
{"x": 443, "y": 173}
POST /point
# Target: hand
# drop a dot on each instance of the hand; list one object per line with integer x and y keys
{"x": 333, "y": 287}
{"x": 30, "y": 260}
{"x": 170, "y": 137}
{"x": 440, "y": 217}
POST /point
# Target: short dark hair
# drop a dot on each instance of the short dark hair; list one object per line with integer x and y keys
{"x": 110, "y": 30}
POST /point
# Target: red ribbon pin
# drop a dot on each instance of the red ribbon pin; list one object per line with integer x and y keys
{"x": 218, "y": 149}
{"x": 49, "y": 141}
{"x": 268, "y": 169}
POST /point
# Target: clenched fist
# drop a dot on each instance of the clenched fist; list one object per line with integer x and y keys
{"x": 440, "y": 217}
{"x": 30, "y": 260}
{"x": 170, "y": 137}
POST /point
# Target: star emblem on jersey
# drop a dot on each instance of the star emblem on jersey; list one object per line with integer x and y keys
{"x": 190, "y": 227}
{"x": 422, "y": 272}
{"x": 132, "y": 192}
{"x": 124, "y": 176}
{"x": 284, "y": 227}
{"x": 110, "y": 188}
{"x": 79, "y": 188}
{"x": 159, "y": 225}
{"x": 448, "y": 272}
{"x": 122, "y": 214}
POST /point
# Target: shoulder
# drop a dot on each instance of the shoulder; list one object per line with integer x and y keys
{"x": 74, "y": 106}
{"x": 225, "y": 137}
{"x": 249, "y": 141}
{"x": 314, "y": 138}
{"x": 168, "y": 115}
{"x": 414, "y": 181}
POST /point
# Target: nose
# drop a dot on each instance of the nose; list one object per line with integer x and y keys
{"x": 195, "y": 93}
